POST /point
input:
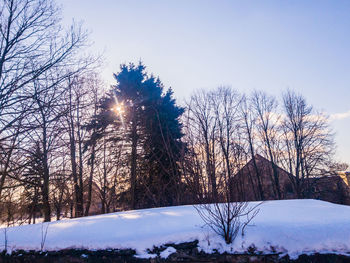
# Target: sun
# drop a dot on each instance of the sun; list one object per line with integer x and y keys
{"x": 118, "y": 108}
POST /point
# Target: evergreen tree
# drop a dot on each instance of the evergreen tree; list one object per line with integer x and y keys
{"x": 162, "y": 147}
{"x": 148, "y": 124}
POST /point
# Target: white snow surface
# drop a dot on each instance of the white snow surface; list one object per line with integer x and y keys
{"x": 289, "y": 226}
{"x": 167, "y": 252}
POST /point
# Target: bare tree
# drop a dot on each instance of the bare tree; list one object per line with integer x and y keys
{"x": 82, "y": 99}
{"x": 267, "y": 124}
{"x": 48, "y": 109}
{"x": 249, "y": 128}
{"x": 75, "y": 133}
{"x": 203, "y": 124}
{"x": 225, "y": 103}
{"x": 215, "y": 126}
{"x": 91, "y": 144}
{"x": 32, "y": 44}
{"x": 309, "y": 142}
{"x": 59, "y": 184}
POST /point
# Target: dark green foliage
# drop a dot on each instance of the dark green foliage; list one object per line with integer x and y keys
{"x": 146, "y": 119}
{"x": 163, "y": 146}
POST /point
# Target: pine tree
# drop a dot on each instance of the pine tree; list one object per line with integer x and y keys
{"x": 162, "y": 146}
{"x": 148, "y": 122}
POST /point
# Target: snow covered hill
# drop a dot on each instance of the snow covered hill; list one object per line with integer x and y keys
{"x": 289, "y": 226}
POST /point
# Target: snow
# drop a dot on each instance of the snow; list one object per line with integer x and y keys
{"x": 289, "y": 226}
{"x": 167, "y": 252}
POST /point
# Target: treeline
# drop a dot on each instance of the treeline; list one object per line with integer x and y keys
{"x": 225, "y": 129}
{"x": 68, "y": 148}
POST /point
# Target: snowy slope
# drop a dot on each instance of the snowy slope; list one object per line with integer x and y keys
{"x": 290, "y": 226}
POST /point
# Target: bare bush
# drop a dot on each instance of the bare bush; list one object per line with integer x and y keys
{"x": 5, "y": 239}
{"x": 227, "y": 219}
{"x": 44, "y": 229}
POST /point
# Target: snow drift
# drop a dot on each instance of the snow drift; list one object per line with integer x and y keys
{"x": 289, "y": 226}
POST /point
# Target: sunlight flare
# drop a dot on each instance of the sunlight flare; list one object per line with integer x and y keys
{"x": 119, "y": 109}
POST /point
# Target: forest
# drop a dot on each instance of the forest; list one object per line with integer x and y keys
{"x": 67, "y": 142}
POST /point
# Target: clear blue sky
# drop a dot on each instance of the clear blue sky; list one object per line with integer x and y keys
{"x": 267, "y": 45}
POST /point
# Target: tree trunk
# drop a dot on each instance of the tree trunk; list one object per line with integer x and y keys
{"x": 89, "y": 195}
{"x": 80, "y": 174}
{"x": 274, "y": 167}
{"x": 134, "y": 140}
{"x": 78, "y": 203}
{"x": 46, "y": 173}
{"x": 77, "y": 191}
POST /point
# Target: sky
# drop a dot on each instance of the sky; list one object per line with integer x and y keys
{"x": 248, "y": 45}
